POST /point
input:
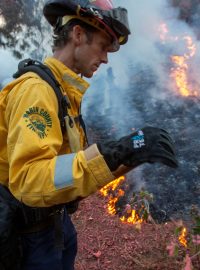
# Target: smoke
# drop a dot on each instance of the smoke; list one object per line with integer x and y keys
{"x": 135, "y": 89}
{"x": 9, "y": 66}
{"x": 145, "y": 47}
{"x": 145, "y": 18}
{"x": 146, "y": 57}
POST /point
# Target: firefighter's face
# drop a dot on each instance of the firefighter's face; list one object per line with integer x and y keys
{"x": 89, "y": 54}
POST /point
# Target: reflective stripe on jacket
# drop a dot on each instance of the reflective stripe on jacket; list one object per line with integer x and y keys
{"x": 34, "y": 155}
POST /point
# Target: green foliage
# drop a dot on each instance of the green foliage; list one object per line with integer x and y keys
{"x": 178, "y": 230}
{"x": 176, "y": 251}
{"x": 196, "y": 229}
{"x": 139, "y": 202}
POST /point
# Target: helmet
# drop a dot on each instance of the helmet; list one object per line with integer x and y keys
{"x": 99, "y": 13}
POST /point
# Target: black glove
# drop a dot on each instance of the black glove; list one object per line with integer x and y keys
{"x": 146, "y": 145}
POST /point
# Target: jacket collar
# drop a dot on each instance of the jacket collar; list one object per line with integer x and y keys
{"x": 72, "y": 85}
{"x": 66, "y": 77}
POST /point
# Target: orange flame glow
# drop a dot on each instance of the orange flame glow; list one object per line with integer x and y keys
{"x": 181, "y": 68}
{"x": 134, "y": 218}
{"x": 182, "y": 237}
{"x": 113, "y": 192}
{"x": 180, "y": 71}
{"x": 112, "y": 186}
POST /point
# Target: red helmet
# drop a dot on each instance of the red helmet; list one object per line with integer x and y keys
{"x": 104, "y": 5}
{"x": 99, "y": 13}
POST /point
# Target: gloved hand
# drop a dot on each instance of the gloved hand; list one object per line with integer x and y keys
{"x": 149, "y": 144}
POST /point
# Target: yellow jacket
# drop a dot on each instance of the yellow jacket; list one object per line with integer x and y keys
{"x": 36, "y": 162}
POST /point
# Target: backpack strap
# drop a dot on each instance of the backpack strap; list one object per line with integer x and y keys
{"x": 29, "y": 65}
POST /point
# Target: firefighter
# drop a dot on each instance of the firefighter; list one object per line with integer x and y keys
{"x": 45, "y": 168}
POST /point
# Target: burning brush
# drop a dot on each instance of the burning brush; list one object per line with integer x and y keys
{"x": 130, "y": 210}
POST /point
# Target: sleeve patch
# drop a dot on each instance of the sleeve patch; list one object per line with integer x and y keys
{"x": 38, "y": 120}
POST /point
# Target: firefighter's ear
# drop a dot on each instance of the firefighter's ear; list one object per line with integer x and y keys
{"x": 78, "y": 35}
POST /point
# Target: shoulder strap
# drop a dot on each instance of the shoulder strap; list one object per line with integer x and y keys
{"x": 46, "y": 74}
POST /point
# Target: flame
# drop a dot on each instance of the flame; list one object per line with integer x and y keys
{"x": 181, "y": 68}
{"x": 107, "y": 191}
{"x": 112, "y": 185}
{"x": 182, "y": 237}
{"x": 134, "y": 218}
{"x": 179, "y": 73}
{"x": 113, "y": 192}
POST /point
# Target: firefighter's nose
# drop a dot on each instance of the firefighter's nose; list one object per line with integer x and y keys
{"x": 104, "y": 58}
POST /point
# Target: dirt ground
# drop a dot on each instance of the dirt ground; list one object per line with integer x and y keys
{"x": 105, "y": 243}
